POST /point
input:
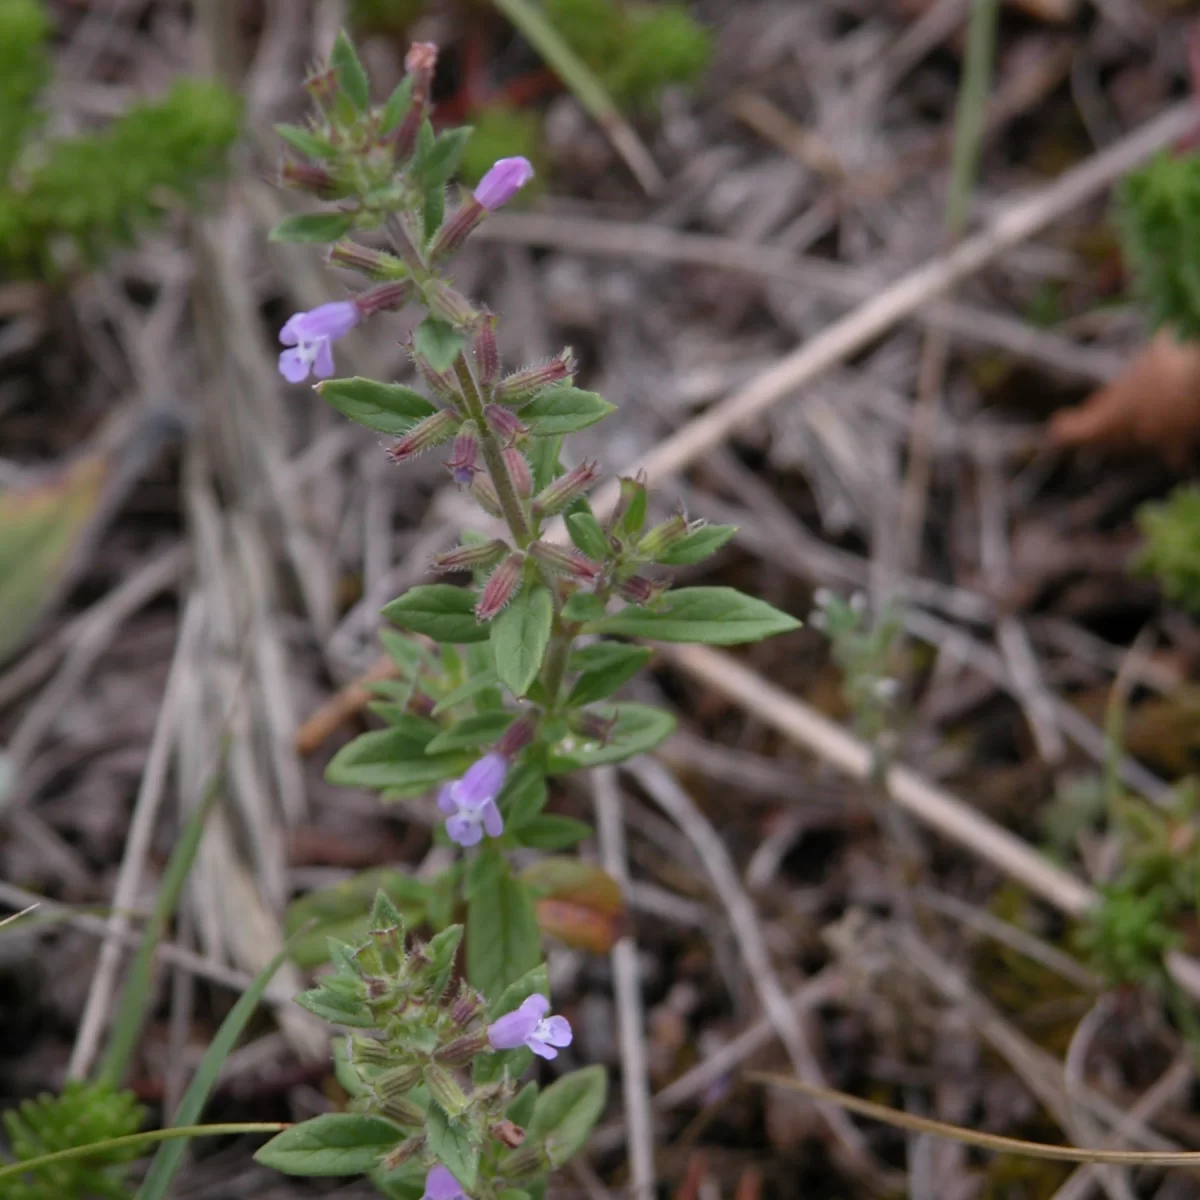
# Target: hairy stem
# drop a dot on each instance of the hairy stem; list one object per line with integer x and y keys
{"x": 554, "y": 667}
{"x": 510, "y": 502}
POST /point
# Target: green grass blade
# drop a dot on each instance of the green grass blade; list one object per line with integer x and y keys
{"x": 127, "y": 1024}
{"x": 170, "y": 1155}
{"x": 149, "y": 1138}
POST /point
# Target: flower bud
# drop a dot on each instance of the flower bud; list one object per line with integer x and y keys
{"x": 426, "y": 434}
{"x": 523, "y": 385}
{"x": 531, "y": 1159}
{"x": 504, "y": 424}
{"x": 487, "y": 353}
{"x": 463, "y": 1050}
{"x": 305, "y": 177}
{"x": 508, "y": 1134}
{"x": 354, "y": 256}
{"x": 368, "y": 1051}
{"x": 466, "y": 1007}
{"x": 403, "y": 1111}
{"x": 420, "y": 705}
{"x": 445, "y": 1089}
{"x": 322, "y": 86}
{"x": 561, "y": 561}
{"x": 441, "y": 383}
{"x": 502, "y": 585}
{"x": 455, "y": 231}
{"x": 591, "y": 726}
{"x": 461, "y": 464}
{"x": 503, "y": 181}
{"x": 403, "y": 1152}
{"x": 518, "y": 470}
{"x": 383, "y": 297}
{"x": 563, "y": 491}
{"x": 637, "y": 589}
{"x": 629, "y": 515}
{"x": 662, "y": 537}
{"x": 484, "y": 492}
{"x": 419, "y": 62}
{"x": 397, "y": 1081}
{"x": 515, "y": 738}
{"x": 471, "y": 557}
{"x": 449, "y": 305}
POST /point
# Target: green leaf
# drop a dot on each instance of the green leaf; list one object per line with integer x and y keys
{"x": 444, "y": 155}
{"x": 434, "y": 210}
{"x": 543, "y": 459}
{"x": 564, "y": 410}
{"x": 344, "y": 59}
{"x": 304, "y": 140}
{"x": 170, "y": 1154}
{"x": 393, "y": 759}
{"x": 407, "y": 653}
{"x": 442, "y": 949}
{"x": 520, "y": 635}
{"x": 583, "y": 606}
{"x": 312, "y": 227}
{"x": 335, "y": 1008}
{"x": 520, "y": 1111}
{"x": 440, "y": 611}
{"x": 450, "y": 1143}
{"x": 503, "y": 941}
{"x": 387, "y": 407}
{"x": 533, "y": 982}
{"x": 567, "y": 1111}
{"x": 398, "y": 103}
{"x": 343, "y": 912}
{"x": 550, "y": 831}
{"x": 438, "y": 343}
{"x": 639, "y": 728}
{"x": 696, "y": 547}
{"x": 605, "y": 667}
{"x": 522, "y": 797}
{"x": 588, "y": 536}
{"x": 716, "y": 616}
{"x": 331, "y": 1144}
{"x": 465, "y": 691}
{"x": 479, "y": 730}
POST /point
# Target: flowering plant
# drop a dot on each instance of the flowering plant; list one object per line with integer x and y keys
{"x": 498, "y": 686}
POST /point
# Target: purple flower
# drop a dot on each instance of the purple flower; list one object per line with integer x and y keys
{"x": 529, "y": 1026}
{"x": 440, "y": 1184}
{"x": 471, "y": 801}
{"x": 503, "y": 182}
{"x": 311, "y": 335}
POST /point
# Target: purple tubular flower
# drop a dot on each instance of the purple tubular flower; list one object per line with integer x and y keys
{"x": 311, "y": 335}
{"x": 503, "y": 182}
{"x": 529, "y": 1026}
{"x": 470, "y": 802}
{"x": 440, "y": 1184}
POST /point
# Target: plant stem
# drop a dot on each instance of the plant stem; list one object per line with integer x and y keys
{"x": 510, "y": 502}
{"x": 554, "y": 668}
{"x": 136, "y": 1140}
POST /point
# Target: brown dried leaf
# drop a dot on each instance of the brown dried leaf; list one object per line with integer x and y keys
{"x": 1154, "y": 405}
{"x": 577, "y": 903}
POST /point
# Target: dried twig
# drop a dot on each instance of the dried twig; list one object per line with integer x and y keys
{"x": 635, "y": 1076}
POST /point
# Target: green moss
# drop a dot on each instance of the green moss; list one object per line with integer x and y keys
{"x": 76, "y": 198}
{"x": 1159, "y": 222}
{"x": 1172, "y": 550}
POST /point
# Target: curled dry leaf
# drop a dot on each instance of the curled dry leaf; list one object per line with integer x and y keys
{"x": 1154, "y": 404}
{"x": 577, "y": 903}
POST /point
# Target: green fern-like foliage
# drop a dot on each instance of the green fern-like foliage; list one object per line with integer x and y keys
{"x": 1172, "y": 550}
{"x": 1159, "y": 221}
{"x": 76, "y": 198}
{"x": 84, "y": 1114}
